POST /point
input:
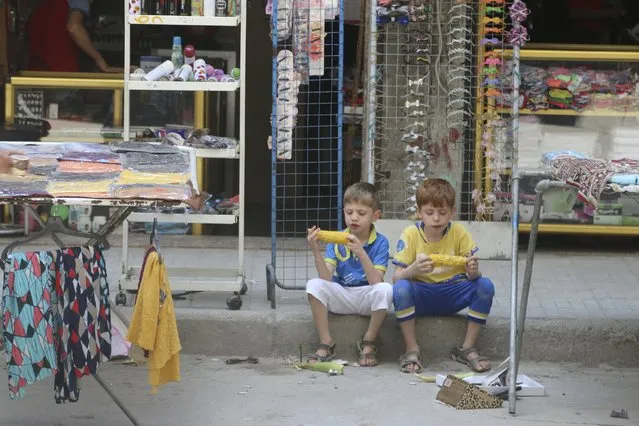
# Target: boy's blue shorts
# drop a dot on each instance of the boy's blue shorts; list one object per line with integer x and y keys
{"x": 415, "y": 298}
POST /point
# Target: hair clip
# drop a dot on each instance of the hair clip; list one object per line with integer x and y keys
{"x": 460, "y": 41}
{"x": 460, "y": 30}
{"x": 492, "y": 60}
{"x": 417, "y": 83}
{"x": 490, "y": 40}
{"x": 490, "y": 70}
{"x": 496, "y": 20}
{"x": 461, "y": 5}
{"x": 416, "y": 164}
{"x": 417, "y": 177}
{"x": 492, "y": 93}
{"x": 411, "y": 60}
{"x": 457, "y": 112}
{"x": 494, "y": 9}
{"x": 452, "y": 102}
{"x": 411, "y": 137}
{"x": 412, "y": 93}
{"x": 492, "y": 30}
{"x": 418, "y": 126}
{"x": 518, "y": 11}
{"x": 415, "y": 114}
{"x": 458, "y": 77}
{"x": 518, "y": 36}
{"x": 490, "y": 82}
{"x": 462, "y": 91}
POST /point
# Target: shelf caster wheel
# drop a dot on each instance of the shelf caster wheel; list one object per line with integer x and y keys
{"x": 120, "y": 299}
{"x": 234, "y": 302}
{"x": 244, "y": 289}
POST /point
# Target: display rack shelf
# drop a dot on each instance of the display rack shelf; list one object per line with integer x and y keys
{"x": 184, "y": 86}
{"x": 193, "y": 21}
{"x": 573, "y": 113}
{"x": 189, "y": 279}
{"x": 577, "y": 54}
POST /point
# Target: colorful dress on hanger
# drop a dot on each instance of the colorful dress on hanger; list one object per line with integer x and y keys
{"x": 84, "y": 325}
{"x": 28, "y": 319}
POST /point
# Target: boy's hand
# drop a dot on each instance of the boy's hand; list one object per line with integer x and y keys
{"x": 313, "y": 241}
{"x": 354, "y": 245}
{"x": 422, "y": 265}
{"x": 472, "y": 266}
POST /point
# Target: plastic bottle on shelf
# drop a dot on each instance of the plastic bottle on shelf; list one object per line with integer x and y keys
{"x": 199, "y": 70}
{"x": 185, "y": 73}
{"x": 189, "y": 55}
{"x": 176, "y": 56}
{"x": 162, "y": 70}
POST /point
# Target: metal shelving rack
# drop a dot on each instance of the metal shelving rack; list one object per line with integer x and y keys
{"x": 572, "y": 54}
{"x": 189, "y": 279}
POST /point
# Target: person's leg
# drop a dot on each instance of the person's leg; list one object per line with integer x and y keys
{"x": 405, "y": 312}
{"x": 478, "y": 310}
{"x": 318, "y": 299}
{"x": 376, "y": 303}
{"x": 325, "y": 296}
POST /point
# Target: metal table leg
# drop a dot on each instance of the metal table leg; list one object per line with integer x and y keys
{"x": 515, "y": 346}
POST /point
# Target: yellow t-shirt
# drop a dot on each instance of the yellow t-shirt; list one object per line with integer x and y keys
{"x": 456, "y": 241}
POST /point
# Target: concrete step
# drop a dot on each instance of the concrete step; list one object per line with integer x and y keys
{"x": 280, "y": 333}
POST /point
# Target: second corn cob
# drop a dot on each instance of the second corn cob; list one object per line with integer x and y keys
{"x": 447, "y": 260}
{"x": 335, "y": 237}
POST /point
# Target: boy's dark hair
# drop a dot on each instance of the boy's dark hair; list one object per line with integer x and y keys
{"x": 439, "y": 192}
{"x": 362, "y": 192}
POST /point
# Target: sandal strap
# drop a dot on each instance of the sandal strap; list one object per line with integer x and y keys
{"x": 329, "y": 348}
{"x": 361, "y": 344}
{"x": 411, "y": 357}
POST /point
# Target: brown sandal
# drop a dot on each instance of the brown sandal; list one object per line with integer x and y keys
{"x": 330, "y": 353}
{"x": 372, "y": 356}
{"x": 410, "y": 357}
{"x": 461, "y": 355}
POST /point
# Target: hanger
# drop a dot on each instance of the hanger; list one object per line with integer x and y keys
{"x": 153, "y": 239}
{"x": 54, "y": 226}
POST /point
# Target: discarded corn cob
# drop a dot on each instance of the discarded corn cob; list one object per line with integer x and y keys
{"x": 336, "y": 237}
{"x": 447, "y": 260}
{"x": 332, "y": 368}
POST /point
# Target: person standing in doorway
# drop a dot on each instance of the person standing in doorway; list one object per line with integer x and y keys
{"x": 56, "y": 35}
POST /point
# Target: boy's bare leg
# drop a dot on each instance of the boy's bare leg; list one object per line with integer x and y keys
{"x": 408, "y": 330}
{"x": 320, "y": 317}
{"x": 377, "y": 319}
{"x": 472, "y": 334}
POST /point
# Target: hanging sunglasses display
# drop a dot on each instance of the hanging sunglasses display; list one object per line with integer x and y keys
{"x": 498, "y": 131}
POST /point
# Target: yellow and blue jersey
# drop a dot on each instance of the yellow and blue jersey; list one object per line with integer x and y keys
{"x": 456, "y": 241}
{"x": 349, "y": 271}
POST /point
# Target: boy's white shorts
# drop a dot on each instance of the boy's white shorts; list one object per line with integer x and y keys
{"x": 351, "y": 300}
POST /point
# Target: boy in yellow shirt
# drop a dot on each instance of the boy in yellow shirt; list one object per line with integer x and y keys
{"x": 423, "y": 289}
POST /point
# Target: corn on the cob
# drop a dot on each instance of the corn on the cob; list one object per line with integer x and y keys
{"x": 332, "y": 368}
{"x": 336, "y": 237}
{"x": 447, "y": 260}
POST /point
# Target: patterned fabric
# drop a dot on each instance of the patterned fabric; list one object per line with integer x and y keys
{"x": 589, "y": 176}
{"x": 84, "y": 325}
{"x": 27, "y": 317}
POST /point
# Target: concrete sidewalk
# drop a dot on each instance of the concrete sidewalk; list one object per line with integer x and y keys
{"x": 584, "y": 307}
{"x": 273, "y": 394}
